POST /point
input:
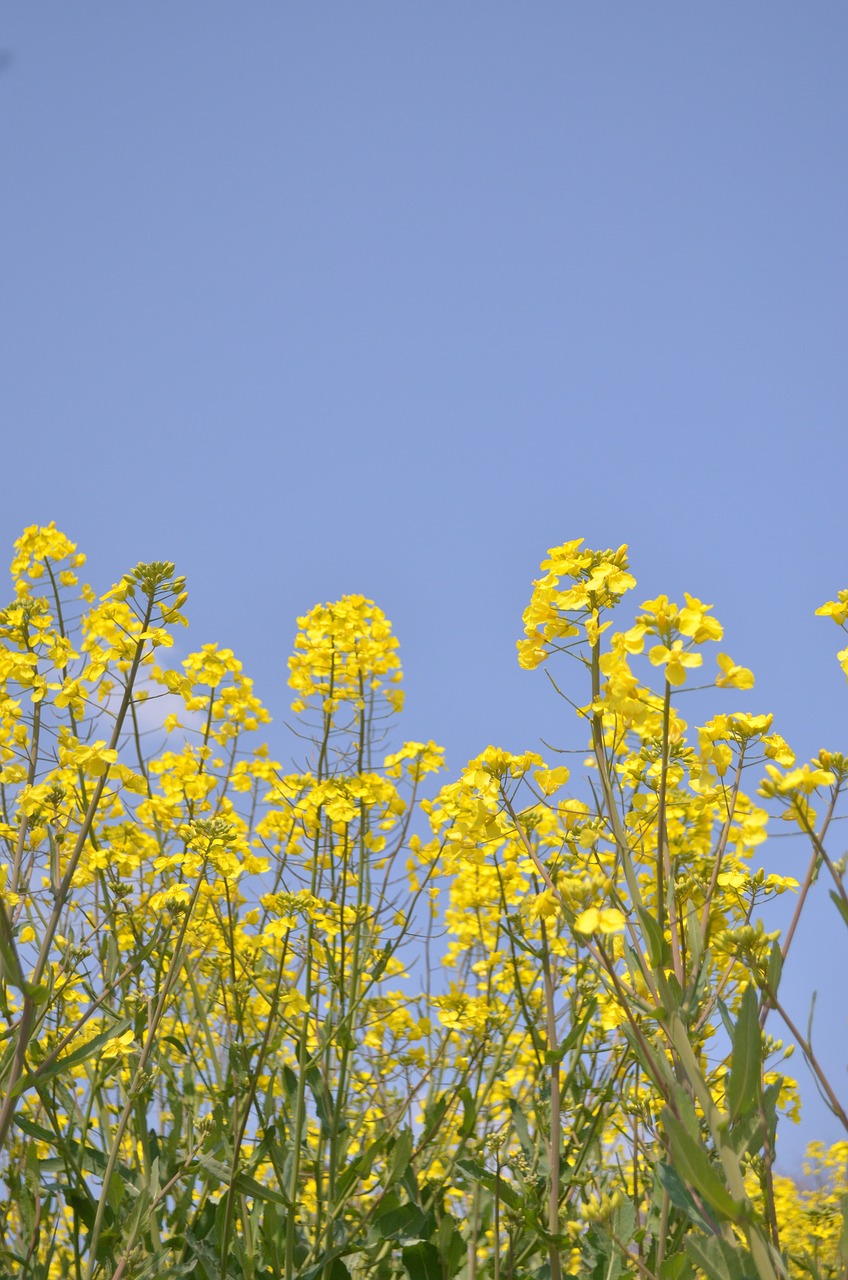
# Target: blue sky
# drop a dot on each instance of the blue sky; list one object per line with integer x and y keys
{"x": 390, "y": 298}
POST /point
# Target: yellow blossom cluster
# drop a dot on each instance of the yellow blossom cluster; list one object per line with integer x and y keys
{"x": 317, "y": 1022}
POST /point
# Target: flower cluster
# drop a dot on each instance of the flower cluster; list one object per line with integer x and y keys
{"x": 319, "y": 1022}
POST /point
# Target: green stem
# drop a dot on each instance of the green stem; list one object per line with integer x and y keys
{"x": 555, "y": 1138}
{"x": 141, "y": 1068}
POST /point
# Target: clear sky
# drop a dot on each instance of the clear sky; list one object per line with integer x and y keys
{"x": 389, "y": 298}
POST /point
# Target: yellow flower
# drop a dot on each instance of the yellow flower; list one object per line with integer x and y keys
{"x": 598, "y": 580}
{"x": 550, "y": 780}
{"x": 345, "y": 651}
{"x": 118, "y": 1048}
{"x": 695, "y": 623}
{"x": 675, "y": 660}
{"x": 599, "y": 920}
{"x": 836, "y": 609}
{"x": 733, "y": 676}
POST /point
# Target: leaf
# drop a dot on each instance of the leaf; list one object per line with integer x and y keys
{"x": 434, "y": 1113}
{"x": 90, "y": 1157}
{"x": 694, "y": 936}
{"x": 399, "y": 1158}
{"x": 675, "y": 1267}
{"x": 251, "y": 1187}
{"x": 421, "y": 1261}
{"x": 746, "y": 1061}
{"x": 359, "y": 1168}
{"x": 492, "y": 1182}
{"x": 775, "y": 968}
{"x": 653, "y": 1064}
{"x": 695, "y": 1168}
{"x": 654, "y": 937}
{"x": 323, "y": 1102}
{"x": 841, "y": 905}
{"x": 720, "y": 1260}
{"x": 337, "y": 1268}
{"x": 405, "y": 1224}
{"x": 726, "y": 1019}
{"x": 577, "y": 1032}
{"x": 522, "y": 1129}
{"x": 748, "y": 1133}
{"x": 450, "y": 1244}
{"x": 87, "y": 1050}
{"x": 686, "y": 1111}
{"x": 678, "y": 1195}
{"x": 469, "y": 1108}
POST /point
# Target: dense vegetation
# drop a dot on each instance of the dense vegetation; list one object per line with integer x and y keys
{"x": 262, "y": 1021}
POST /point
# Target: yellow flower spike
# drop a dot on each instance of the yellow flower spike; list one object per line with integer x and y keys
{"x": 343, "y": 649}
{"x": 38, "y": 544}
{"x": 598, "y": 581}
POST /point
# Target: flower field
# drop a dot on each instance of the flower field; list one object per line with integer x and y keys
{"x": 346, "y": 1017}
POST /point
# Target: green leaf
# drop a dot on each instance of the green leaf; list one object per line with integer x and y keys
{"x": 685, "y": 1108}
{"x": 251, "y": 1187}
{"x": 338, "y": 1270}
{"x": 624, "y": 1221}
{"x": 469, "y": 1108}
{"x": 748, "y": 1133}
{"x": 422, "y": 1262}
{"x": 720, "y": 1260}
{"x": 450, "y": 1244}
{"x": 675, "y": 1267}
{"x": 694, "y": 936}
{"x": 323, "y": 1102}
{"x": 289, "y": 1080}
{"x": 576, "y": 1032}
{"x": 653, "y": 935}
{"x": 434, "y": 1113}
{"x": 90, "y": 1158}
{"x": 672, "y": 993}
{"x": 775, "y": 968}
{"x": 399, "y": 1158}
{"x": 669, "y": 1180}
{"x": 726, "y": 1019}
{"x": 409, "y": 1182}
{"x": 841, "y": 905}
{"x": 522, "y": 1129}
{"x": 652, "y": 1063}
{"x": 492, "y": 1182}
{"x": 405, "y": 1224}
{"x": 359, "y": 1168}
{"x": 695, "y": 1168}
{"x": 746, "y": 1060}
{"x": 87, "y": 1050}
